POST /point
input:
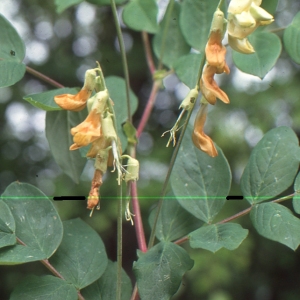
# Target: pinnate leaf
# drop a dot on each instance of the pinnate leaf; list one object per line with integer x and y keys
{"x": 272, "y": 166}
{"x": 277, "y": 223}
{"x": 296, "y": 198}
{"x": 214, "y": 237}
{"x": 161, "y": 267}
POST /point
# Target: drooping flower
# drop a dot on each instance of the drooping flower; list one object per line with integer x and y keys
{"x": 88, "y": 131}
{"x": 215, "y": 61}
{"x": 209, "y": 86}
{"x": 200, "y": 139}
{"x": 244, "y": 16}
{"x": 77, "y": 102}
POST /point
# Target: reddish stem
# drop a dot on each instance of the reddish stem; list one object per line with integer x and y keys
{"x": 148, "y": 52}
{"x": 148, "y": 109}
{"x": 43, "y": 77}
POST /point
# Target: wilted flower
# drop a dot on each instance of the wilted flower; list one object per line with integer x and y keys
{"x": 244, "y": 16}
{"x": 77, "y": 102}
{"x": 200, "y": 139}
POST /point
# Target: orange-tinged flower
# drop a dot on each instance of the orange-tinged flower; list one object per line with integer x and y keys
{"x": 88, "y": 131}
{"x": 77, "y": 102}
{"x": 208, "y": 85}
{"x": 200, "y": 139}
{"x": 94, "y": 196}
{"x": 215, "y": 51}
{"x": 73, "y": 102}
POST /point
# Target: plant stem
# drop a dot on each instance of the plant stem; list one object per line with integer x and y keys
{"x": 123, "y": 54}
{"x": 119, "y": 247}
{"x": 148, "y": 109}
{"x": 164, "y": 189}
{"x": 148, "y": 52}
{"x": 43, "y": 77}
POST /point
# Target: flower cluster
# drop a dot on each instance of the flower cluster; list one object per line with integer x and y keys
{"x": 244, "y": 16}
{"x": 97, "y": 130}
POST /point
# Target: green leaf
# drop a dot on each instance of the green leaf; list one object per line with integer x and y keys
{"x": 62, "y": 5}
{"x": 58, "y": 125}
{"x": 38, "y": 225}
{"x": 106, "y": 286}
{"x": 296, "y": 198}
{"x": 214, "y": 237}
{"x": 44, "y": 288}
{"x": 195, "y": 21}
{"x": 141, "y": 15}
{"x": 269, "y": 5}
{"x": 117, "y": 91}
{"x": 277, "y": 223}
{"x": 160, "y": 270}
{"x": 267, "y": 47}
{"x": 170, "y": 38}
{"x": 81, "y": 258}
{"x": 46, "y": 101}
{"x": 200, "y": 182}
{"x": 173, "y": 222}
{"x": 187, "y": 68}
{"x": 17, "y": 254}
{"x": 272, "y": 166}
{"x": 7, "y": 226}
{"x": 291, "y": 39}
{"x": 12, "y": 53}
{"x": 105, "y": 2}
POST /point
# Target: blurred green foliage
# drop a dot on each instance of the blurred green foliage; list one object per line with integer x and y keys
{"x": 63, "y": 46}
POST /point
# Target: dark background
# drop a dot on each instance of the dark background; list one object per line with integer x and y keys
{"x": 63, "y": 46}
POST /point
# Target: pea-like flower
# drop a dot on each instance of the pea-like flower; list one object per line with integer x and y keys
{"x": 244, "y": 16}
{"x": 215, "y": 61}
{"x": 200, "y": 139}
{"x": 77, "y": 102}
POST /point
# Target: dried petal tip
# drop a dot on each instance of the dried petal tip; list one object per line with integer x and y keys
{"x": 200, "y": 139}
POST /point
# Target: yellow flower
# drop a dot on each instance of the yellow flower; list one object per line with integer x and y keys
{"x": 244, "y": 16}
{"x": 200, "y": 139}
{"x": 88, "y": 131}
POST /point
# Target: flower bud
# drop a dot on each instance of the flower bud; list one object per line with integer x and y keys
{"x": 132, "y": 170}
{"x": 108, "y": 128}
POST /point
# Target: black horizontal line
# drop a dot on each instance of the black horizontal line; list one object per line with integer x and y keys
{"x": 69, "y": 198}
